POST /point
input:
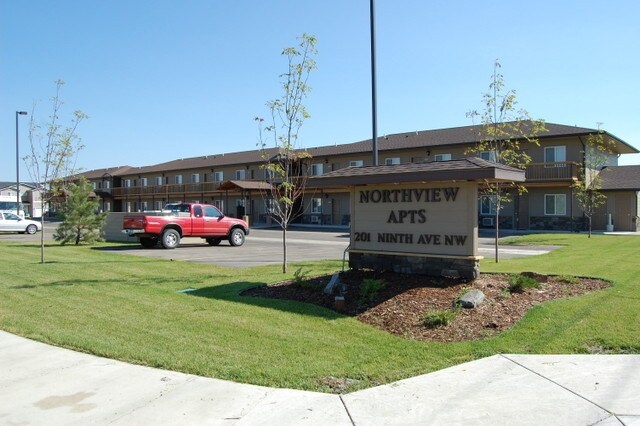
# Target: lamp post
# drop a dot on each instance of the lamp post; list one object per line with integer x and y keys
{"x": 374, "y": 101}
{"x": 18, "y": 162}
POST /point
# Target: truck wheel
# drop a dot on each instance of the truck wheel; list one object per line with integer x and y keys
{"x": 170, "y": 239}
{"x": 148, "y": 242}
{"x": 237, "y": 237}
{"x": 214, "y": 241}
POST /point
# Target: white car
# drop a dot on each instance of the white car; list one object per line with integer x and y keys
{"x": 10, "y": 222}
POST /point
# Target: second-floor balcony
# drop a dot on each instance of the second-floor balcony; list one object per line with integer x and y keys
{"x": 169, "y": 190}
{"x": 548, "y": 172}
{"x": 150, "y": 190}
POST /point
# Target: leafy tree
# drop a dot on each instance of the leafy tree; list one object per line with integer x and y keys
{"x": 285, "y": 164}
{"x": 53, "y": 152}
{"x": 80, "y": 220}
{"x": 598, "y": 150}
{"x": 503, "y": 130}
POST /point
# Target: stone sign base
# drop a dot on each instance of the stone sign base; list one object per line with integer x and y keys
{"x": 408, "y": 263}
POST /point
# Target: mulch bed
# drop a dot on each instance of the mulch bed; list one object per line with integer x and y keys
{"x": 399, "y": 307}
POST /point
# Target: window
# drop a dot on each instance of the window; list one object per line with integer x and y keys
{"x": 316, "y": 169}
{"x": 391, "y": 161}
{"x": 144, "y": 206}
{"x": 143, "y": 181}
{"x": 555, "y": 154}
{"x": 268, "y": 205}
{"x": 195, "y": 178}
{"x": 442, "y": 157}
{"x": 177, "y": 179}
{"x": 488, "y": 205}
{"x": 488, "y": 155}
{"x": 106, "y": 184}
{"x": 218, "y": 176}
{"x": 219, "y": 204}
{"x": 555, "y": 204}
{"x": 127, "y": 184}
{"x": 316, "y": 205}
{"x": 158, "y": 180}
{"x": 197, "y": 211}
{"x": 158, "y": 205}
{"x": 240, "y": 174}
{"x": 94, "y": 185}
{"x": 210, "y": 211}
{"x": 356, "y": 163}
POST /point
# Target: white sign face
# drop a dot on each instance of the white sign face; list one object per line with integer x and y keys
{"x": 436, "y": 219}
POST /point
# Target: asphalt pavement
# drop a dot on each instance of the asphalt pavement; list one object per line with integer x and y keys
{"x": 264, "y": 246}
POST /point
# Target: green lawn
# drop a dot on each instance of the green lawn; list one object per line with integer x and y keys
{"x": 129, "y": 308}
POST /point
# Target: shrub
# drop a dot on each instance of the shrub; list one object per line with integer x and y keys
{"x": 300, "y": 279}
{"x": 518, "y": 283}
{"x": 568, "y": 279}
{"x": 300, "y": 276}
{"x": 369, "y": 289}
{"x": 435, "y": 318}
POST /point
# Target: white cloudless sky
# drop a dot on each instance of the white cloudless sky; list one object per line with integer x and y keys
{"x": 165, "y": 79}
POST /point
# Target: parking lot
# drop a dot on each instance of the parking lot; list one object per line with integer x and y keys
{"x": 264, "y": 246}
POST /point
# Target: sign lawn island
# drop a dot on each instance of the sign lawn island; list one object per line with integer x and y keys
{"x": 418, "y": 218}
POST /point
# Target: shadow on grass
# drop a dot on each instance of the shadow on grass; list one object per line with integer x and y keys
{"x": 70, "y": 283}
{"x": 232, "y": 293}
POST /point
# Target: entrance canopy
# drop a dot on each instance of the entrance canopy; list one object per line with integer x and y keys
{"x": 244, "y": 185}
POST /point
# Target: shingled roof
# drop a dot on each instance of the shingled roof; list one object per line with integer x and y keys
{"x": 111, "y": 171}
{"x": 419, "y": 139}
{"x": 621, "y": 177}
{"x": 474, "y": 169}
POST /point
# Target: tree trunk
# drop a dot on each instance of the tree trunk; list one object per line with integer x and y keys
{"x": 284, "y": 250}
{"x": 42, "y": 238}
{"x": 497, "y": 230}
{"x": 589, "y": 218}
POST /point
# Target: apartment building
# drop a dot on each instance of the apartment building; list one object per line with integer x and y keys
{"x": 235, "y": 182}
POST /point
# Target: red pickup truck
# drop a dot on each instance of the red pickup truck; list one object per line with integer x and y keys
{"x": 185, "y": 220}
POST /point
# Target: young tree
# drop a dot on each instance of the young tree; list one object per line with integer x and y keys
{"x": 504, "y": 128}
{"x": 285, "y": 164}
{"x": 597, "y": 152}
{"x": 81, "y": 221}
{"x": 52, "y": 154}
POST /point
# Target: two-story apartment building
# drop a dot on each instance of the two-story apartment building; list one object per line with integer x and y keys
{"x": 234, "y": 181}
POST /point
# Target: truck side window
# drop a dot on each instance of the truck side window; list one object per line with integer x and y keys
{"x": 197, "y": 211}
{"x": 210, "y": 211}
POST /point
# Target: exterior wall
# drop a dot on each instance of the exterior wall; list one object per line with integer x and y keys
{"x": 573, "y": 146}
{"x": 571, "y": 220}
{"x": 623, "y": 208}
{"x": 525, "y": 212}
{"x": 335, "y": 208}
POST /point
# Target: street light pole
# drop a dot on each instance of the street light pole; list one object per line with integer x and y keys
{"x": 18, "y": 163}
{"x": 374, "y": 101}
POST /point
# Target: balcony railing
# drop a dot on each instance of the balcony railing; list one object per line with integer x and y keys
{"x": 182, "y": 188}
{"x": 558, "y": 171}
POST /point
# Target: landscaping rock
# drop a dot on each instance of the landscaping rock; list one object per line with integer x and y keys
{"x": 472, "y": 299}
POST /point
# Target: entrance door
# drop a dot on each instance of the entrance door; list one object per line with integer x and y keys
{"x": 335, "y": 211}
{"x": 523, "y": 212}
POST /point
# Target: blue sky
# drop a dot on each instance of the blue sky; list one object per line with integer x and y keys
{"x": 171, "y": 79}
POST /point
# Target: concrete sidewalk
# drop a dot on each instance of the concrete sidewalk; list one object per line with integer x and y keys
{"x": 42, "y": 384}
